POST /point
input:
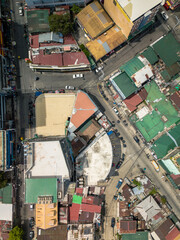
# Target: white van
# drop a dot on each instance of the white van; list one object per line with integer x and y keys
{"x": 154, "y": 163}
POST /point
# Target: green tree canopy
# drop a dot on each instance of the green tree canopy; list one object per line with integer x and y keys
{"x": 75, "y": 9}
{"x": 3, "y": 181}
{"x": 60, "y": 23}
{"x": 16, "y": 233}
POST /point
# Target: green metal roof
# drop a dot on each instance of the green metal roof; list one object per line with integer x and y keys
{"x": 173, "y": 218}
{"x": 135, "y": 236}
{"x": 178, "y": 161}
{"x": 124, "y": 85}
{"x": 6, "y": 194}
{"x": 171, "y": 168}
{"x": 168, "y": 49}
{"x": 77, "y": 199}
{"x": 132, "y": 66}
{"x": 162, "y": 145}
{"x": 38, "y": 21}
{"x": 85, "y": 126}
{"x": 166, "y": 75}
{"x": 150, "y": 55}
{"x": 40, "y": 187}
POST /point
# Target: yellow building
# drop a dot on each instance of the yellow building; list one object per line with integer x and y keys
{"x": 119, "y": 16}
{"x": 46, "y": 215}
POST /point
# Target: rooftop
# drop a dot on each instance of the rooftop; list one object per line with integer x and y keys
{"x": 170, "y": 166}
{"x": 40, "y": 187}
{"x": 38, "y": 20}
{"x": 135, "y": 236}
{"x": 96, "y": 160}
{"x": 167, "y": 142}
{"x": 52, "y": 112}
{"x": 46, "y": 215}
{"x": 119, "y": 16}
{"x": 175, "y": 98}
{"x": 172, "y": 55}
{"x": 132, "y": 66}
{"x": 6, "y": 194}
{"x": 160, "y": 113}
{"x": 148, "y": 208}
{"x": 131, "y": 7}
{"x": 132, "y": 101}
{"x": 150, "y": 55}
{"x": 6, "y": 211}
{"x": 83, "y": 109}
{"x": 108, "y": 41}
{"x": 94, "y": 19}
{"x": 123, "y": 84}
{"x": 127, "y": 226}
{"x": 77, "y": 199}
{"x": 54, "y": 233}
{"x": 49, "y": 160}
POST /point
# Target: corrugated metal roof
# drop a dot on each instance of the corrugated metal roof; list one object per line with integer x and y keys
{"x": 171, "y": 167}
{"x": 124, "y": 85}
{"x": 77, "y": 199}
{"x": 150, "y": 55}
{"x": 135, "y": 236}
{"x": 165, "y": 75}
{"x": 132, "y": 66}
{"x": 168, "y": 49}
{"x": 50, "y": 37}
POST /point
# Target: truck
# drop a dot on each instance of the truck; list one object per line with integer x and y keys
{"x": 119, "y": 183}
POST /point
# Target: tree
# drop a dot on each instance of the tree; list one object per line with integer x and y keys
{"x": 163, "y": 199}
{"x": 60, "y": 23}
{"x": 3, "y": 181}
{"x": 153, "y": 191}
{"x": 75, "y": 9}
{"x": 138, "y": 184}
{"x": 16, "y": 233}
{"x": 84, "y": 49}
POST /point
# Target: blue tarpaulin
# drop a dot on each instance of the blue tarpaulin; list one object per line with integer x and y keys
{"x": 38, "y": 93}
{"x": 109, "y": 133}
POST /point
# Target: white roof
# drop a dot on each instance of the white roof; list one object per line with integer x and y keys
{"x": 142, "y": 112}
{"x": 137, "y": 8}
{"x": 148, "y": 208}
{"x": 49, "y": 160}
{"x": 96, "y": 160}
{"x": 142, "y": 75}
{"x": 6, "y": 212}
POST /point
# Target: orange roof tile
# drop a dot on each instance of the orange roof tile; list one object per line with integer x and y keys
{"x": 133, "y": 101}
{"x": 83, "y": 109}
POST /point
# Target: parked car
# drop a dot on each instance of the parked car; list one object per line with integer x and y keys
{"x": 18, "y": 149}
{"x": 125, "y": 123}
{"x": 118, "y": 165}
{"x": 62, "y": 91}
{"x": 112, "y": 222}
{"x": 31, "y": 234}
{"x": 31, "y": 222}
{"x": 21, "y": 13}
{"x": 99, "y": 69}
{"x": 164, "y": 15}
{"x": 69, "y": 87}
{"x": 78, "y": 75}
{"x": 123, "y": 156}
{"x": 119, "y": 183}
{"x": 115, "y": 110}
{"x": 136, "y": 139}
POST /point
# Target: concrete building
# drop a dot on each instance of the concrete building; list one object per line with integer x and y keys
{"x": 55, "y": 3}
{"x": 96, "y": 160}
{"x": 53, "y": 112}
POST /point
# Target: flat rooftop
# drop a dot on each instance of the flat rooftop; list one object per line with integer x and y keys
{"x": 52, "y": 112}
{"x": 36, "y": 187}
{"x": 6, "y": 212}
{"x": 96, "y": 160}
{"x": 49, "y": 160}
{"x": 137, "y": 8}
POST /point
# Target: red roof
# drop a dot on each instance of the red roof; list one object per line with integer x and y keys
{"x": 69, "y": 40}
{"x": 88, "y": 200}
{"x": 90, "y": 208}
{"x": 74, "y": 58}
{"x": 175, "y": 98}
{"x": 34, "y": 41}
{"x": 174, "y": 234}
{"x": 74, "y": 212}
{"x": 84, "y": 108}
{"x": 143, "y": 93}
{"x": 133, "y": 101}
{"x": 54, "y": 59}
{"x": 79, "y": 191}
{"x": 128, "y": 226}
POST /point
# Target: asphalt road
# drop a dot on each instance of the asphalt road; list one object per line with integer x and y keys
{"x": 26, "y": 83}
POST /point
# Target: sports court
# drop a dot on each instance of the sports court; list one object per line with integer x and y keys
{"x": 162, "y": 115}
